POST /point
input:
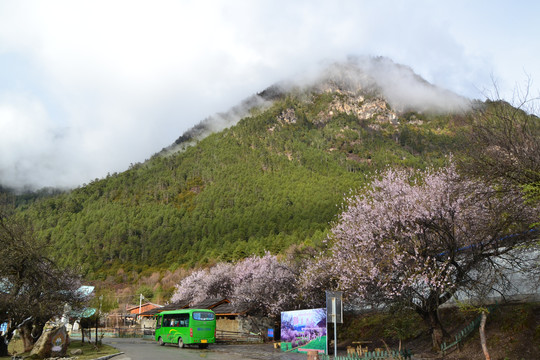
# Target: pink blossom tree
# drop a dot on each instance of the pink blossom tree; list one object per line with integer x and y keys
{"x": 314, "y": 279}
{"x": 219, "y": 282}
{"x": 261, "y": 283}
{"x": 264, "y": 283}
{"x": 202, "y": 284}
{"x": 417, "y": 240}
{"x": 191, "y": 288}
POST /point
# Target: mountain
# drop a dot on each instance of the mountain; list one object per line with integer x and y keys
{"x": 269, "y": 174}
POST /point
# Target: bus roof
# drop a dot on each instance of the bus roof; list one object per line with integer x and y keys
{"x": 183, "y": 311}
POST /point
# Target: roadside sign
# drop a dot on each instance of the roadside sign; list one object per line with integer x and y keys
{"x": 334, "y": 306}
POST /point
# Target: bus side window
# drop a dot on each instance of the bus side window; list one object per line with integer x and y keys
{"x": 166, "y": 322}
{"x": 158, "y": 322}
{"x": 184, "y": 320}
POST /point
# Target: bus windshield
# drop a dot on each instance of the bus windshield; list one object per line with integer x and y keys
{"x": 204, "y": 316}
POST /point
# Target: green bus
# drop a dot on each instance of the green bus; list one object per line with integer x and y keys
{"x": 186, "y": 327}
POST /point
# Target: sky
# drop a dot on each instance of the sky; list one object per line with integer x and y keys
{"x": 89, "y": 87}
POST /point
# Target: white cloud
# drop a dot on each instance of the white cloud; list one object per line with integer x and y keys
{"x": 28, "y": 133}
{"x": 119, "y": 80}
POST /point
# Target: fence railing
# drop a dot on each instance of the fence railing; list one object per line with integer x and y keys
{"x": 236, "y": 336}
{"x": 464, "y": 333}
{"x": 119, "y": 332}
{"x": 371, "y": 355}
{"x": 148, "y": 333}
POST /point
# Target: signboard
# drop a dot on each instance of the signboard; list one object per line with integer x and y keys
{"x": 270, "y": 333}
{"x": 337, "y": 308}
{"x": 303, "y": 330}
{"x": 3, "y": 328}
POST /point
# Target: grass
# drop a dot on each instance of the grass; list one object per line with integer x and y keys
{"x": 512, "y": 330}
{"x": 90, "y": 351}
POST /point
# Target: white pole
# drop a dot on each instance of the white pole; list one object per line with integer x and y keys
{"x": 334, "y": 315}
{"x": 140, "y": 303}
{"x": 327, "y": 336}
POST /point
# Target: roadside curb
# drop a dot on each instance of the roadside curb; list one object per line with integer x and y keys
{"x": 106, "y": 357}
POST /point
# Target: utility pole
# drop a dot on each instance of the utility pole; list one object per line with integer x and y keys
{"x": 98, "y": 316}
{"x": 141, "y": 297}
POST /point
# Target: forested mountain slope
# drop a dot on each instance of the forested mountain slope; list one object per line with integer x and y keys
{"x": 275, "y": 178}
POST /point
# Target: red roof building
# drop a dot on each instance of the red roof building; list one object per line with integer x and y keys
{"x": 136, "y": 310}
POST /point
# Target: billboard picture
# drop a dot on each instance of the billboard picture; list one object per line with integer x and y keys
{"x": 303, "y": 330}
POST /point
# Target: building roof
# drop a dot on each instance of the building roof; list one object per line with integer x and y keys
{"x": 221, "y": 306}
{"x": 229, "y": 309}
{"x": 209, "y": 303}
{"x": 173, "y": 306}
{"x": 144, "y": 305}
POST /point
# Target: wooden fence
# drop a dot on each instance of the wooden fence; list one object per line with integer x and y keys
{"x": 224, "y": 336}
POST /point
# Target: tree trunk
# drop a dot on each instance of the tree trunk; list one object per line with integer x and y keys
{"x": 437, "y": 336}
{"x": 3, "y": 346}
{"x": 25, "y": 331}
{"x": 4, "y": 341}
{"x": 438, "y": 333}
{"x": 37, "y": 330}
{"x": 483, "y": 335}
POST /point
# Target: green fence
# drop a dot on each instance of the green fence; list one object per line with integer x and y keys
{"x": 462, "y": 335}
{"x": 372, "y": 355}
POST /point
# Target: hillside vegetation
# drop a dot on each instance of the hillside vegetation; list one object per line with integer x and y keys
{"x": 276, "y": 178}
{"x": 513, "y": 332}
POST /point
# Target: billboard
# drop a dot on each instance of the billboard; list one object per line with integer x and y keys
{"x": 303, "y": 330}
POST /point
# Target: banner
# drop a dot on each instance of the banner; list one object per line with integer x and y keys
{"x": 303, "y": 330}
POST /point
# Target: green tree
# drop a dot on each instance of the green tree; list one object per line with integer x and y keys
{"x": 146, "y": 291}
{"x": 504, "y": 145}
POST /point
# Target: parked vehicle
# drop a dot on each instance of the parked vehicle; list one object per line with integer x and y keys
{"x": 186, "y": 327}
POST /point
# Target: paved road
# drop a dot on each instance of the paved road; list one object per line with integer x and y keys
{"x": 138, "y": 349}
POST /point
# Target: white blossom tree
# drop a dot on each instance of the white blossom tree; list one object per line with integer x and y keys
{"x": 262, "y": 283}
{"x": 418, "y": 240}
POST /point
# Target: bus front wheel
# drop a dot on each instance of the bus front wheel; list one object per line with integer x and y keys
{"x": 160, "y": 341}
{"x": 180, "y": 342}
